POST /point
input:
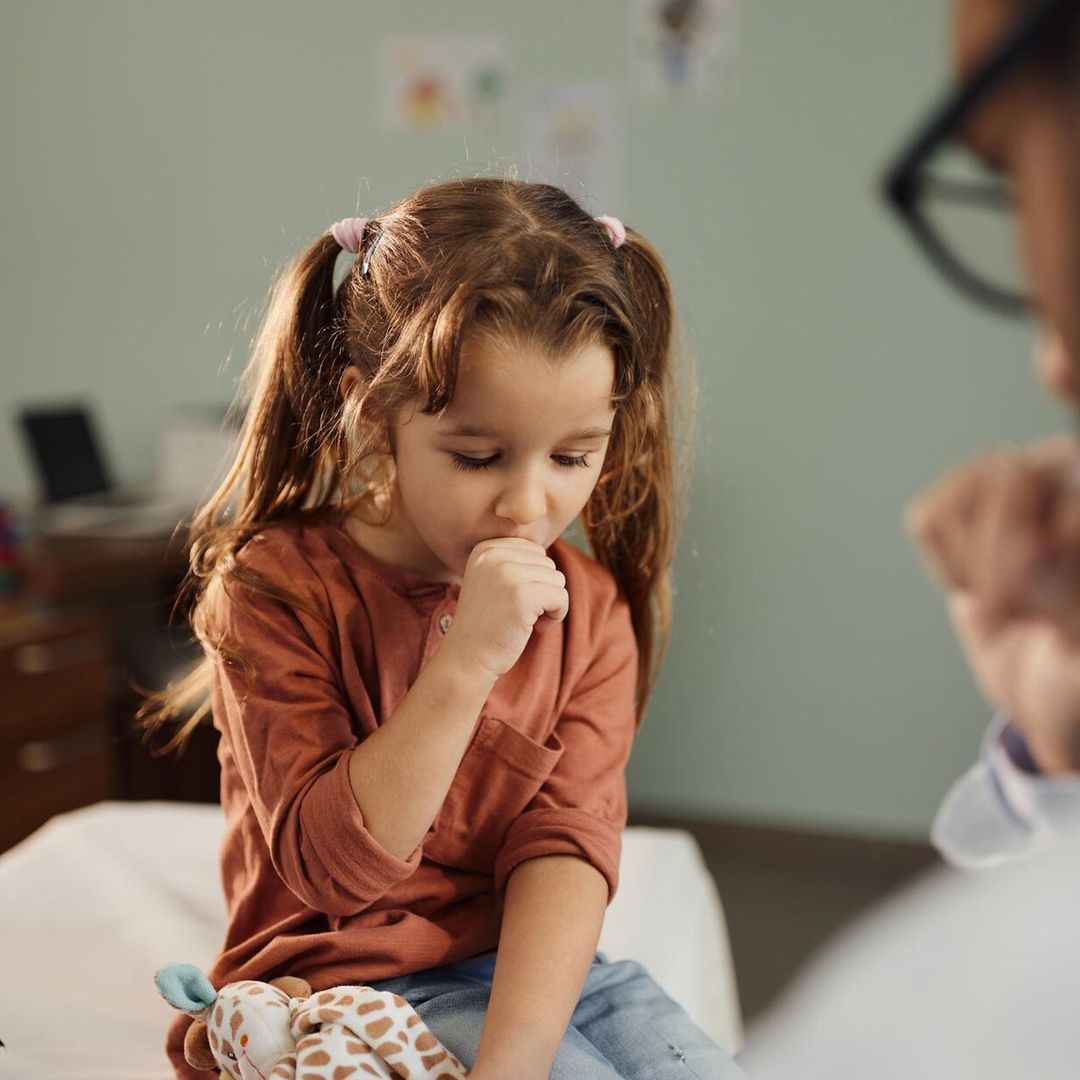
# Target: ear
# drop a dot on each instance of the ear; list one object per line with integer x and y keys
{"x": 197, "y": 1051}
{"x": 349, "y": 379}
{"x": 1057, "y": 369}
{"x": 185, "y": 988}
{"x": 295, "y": 988}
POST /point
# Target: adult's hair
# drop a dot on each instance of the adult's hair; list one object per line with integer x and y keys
{"x": 521, "y": 262}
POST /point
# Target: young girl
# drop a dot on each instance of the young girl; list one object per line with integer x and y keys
{"x": 426, "y": 697}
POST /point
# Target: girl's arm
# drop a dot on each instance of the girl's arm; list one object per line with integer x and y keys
{"x": 432, "y": 725}
{"x": 551, "y": 922}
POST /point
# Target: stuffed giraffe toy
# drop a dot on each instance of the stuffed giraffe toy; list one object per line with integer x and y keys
{"x": 281, "y": 1031}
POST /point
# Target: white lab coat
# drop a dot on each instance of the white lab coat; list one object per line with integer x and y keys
{"x": 959, "y": 975}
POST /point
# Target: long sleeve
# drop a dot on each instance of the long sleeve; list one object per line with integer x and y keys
{"x": 581, "y": 808}
{"x": 291, "y": 733}
{"x": 1004, "y": 807}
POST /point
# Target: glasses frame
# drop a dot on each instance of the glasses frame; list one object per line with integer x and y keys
{"x": 907, "y": 179}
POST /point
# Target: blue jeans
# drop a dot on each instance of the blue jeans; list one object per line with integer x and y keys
{"x": 624, "y": 1025}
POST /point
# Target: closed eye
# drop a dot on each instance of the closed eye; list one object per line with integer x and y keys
{"x": 469, "y": 464}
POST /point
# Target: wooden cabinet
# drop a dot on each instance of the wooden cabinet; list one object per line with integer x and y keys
{"x": 55, "y": 717}
{"x": 89, "y": 623}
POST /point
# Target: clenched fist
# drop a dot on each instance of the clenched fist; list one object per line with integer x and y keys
{"x": 509, "y": 588}
{"x": 1002, "y": 535}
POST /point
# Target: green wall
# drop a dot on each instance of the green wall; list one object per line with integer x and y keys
{"x": 162, "y": 159}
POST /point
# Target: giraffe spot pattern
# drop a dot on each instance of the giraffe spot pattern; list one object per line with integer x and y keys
{"x": 389, "y": 1019}
{"x": 377, "y": 1028}
{"x": 285, "y": 1068}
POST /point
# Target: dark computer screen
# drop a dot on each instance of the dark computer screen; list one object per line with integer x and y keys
{"x": 65, "y": 453}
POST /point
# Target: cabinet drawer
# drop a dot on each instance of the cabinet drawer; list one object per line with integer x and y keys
{"x": 48, "y": 681}
{"x": 46, "y": 775}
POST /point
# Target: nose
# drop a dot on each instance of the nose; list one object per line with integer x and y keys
{"x": 523, "y": 500}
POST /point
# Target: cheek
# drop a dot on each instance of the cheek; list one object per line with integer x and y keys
{"x": 1049, "y": 224}
{"x": 571, "y": 497}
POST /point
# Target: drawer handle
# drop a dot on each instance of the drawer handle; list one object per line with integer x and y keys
{"x": 41, "y": 658}
{"x": 48, "y": 754}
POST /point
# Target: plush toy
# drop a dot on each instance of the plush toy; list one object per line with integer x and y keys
{"x": 251, "y": 1030}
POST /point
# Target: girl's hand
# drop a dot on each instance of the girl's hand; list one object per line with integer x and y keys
{"x": 1002, "y": 534}
{"x": 509, "y": 587}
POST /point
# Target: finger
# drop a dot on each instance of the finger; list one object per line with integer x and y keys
{"x": 1011, "y": 535}
{"x": 556, "y": 603}
{"x": 512, "y": 541}
{"x": 940, "y": 521}
{"x": 546, "y": 573}
{"x": 1055, "y": 584}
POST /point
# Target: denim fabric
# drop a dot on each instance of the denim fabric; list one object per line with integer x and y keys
{"x": 624, "y": 1025}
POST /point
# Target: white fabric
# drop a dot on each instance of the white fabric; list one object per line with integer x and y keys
{"x": 997, "y": 812}
{"x": 959, "y": 977}
{"x": 97, "y": 900}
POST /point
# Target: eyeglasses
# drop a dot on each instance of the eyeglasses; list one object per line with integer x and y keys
{"x": 963, "y": 219}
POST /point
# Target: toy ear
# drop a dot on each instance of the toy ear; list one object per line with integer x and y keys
{"x": 197, "y": 1047}
{"x": 295, "y": 988}
{"x": 185, "y": 988}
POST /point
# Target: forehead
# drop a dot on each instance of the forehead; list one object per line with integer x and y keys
{"x": 518, "y": 388}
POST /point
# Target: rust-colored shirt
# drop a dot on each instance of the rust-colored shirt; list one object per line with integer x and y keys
{"x": 310, "y": 892}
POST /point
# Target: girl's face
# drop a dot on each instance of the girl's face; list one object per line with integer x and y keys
{"x": 516, "y": 453}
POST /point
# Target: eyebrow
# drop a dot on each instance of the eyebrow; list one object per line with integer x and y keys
{"x": 478, "y": 431}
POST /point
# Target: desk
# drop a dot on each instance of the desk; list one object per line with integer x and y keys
{"x": 88, "y": 624}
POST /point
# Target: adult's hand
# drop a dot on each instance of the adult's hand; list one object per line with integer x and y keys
{"x": 1002, "y": 535}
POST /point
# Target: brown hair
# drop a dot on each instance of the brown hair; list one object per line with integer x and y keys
{"x": 521, "y": 261}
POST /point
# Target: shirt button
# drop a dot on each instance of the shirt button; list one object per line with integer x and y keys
{"x": 444, "y": 621}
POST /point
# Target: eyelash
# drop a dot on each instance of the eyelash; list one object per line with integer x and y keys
{"x": 468, "y": 464}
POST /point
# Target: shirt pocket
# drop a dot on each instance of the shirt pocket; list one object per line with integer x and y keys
{"x": 500, "y": 771}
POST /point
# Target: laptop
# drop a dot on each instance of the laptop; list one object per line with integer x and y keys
{"x": 78, "y": 494}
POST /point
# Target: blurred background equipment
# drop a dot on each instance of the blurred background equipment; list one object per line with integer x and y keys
{"x": 77, "y": 494}
{"x": 87, "y": 620}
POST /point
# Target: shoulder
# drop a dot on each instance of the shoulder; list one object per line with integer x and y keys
{"x": 291, "y": 557}
{"x": 283, "y": 548}
{"x": 589, "y": 584}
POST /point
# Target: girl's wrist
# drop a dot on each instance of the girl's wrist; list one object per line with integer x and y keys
{"x": 458, "y": 661}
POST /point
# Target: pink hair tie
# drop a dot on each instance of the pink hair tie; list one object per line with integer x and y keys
{"x": 349, "y": 233}
{"x": 615, "y": 229}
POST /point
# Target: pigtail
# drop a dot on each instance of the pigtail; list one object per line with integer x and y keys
{"x": 284, "y": 467}
{"x": 632, "y": 519}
